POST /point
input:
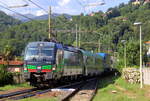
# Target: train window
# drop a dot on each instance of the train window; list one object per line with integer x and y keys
{"x": 31, "y": 53}
{"x": 46, "y": 52}
{"x": 71, "y": 58}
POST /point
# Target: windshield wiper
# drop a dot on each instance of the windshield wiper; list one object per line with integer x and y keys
{"x": 34, "y": 59}
{"x": 44, "y": 59}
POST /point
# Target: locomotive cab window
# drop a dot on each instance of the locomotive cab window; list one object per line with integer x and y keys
{"x": 31, "y": 53}
{"x": 37, "y": 53}
{"x": 46, "y": 52}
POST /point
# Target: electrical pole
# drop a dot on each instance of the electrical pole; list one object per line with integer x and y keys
{"x": 76, "y": 35}
{"x": 49, "y": 23}
{"x": 124, "y": 45}
{"x": 141, "y": 77}
{"x": 141, "y": 72}
{"x": 125, "y": 55}
{"x": 99, "y": 47}
{"x": 79, "y": 37}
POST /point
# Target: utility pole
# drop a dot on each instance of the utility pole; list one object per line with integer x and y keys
{"x": 139, "y": 24}
{"x": 125, "y": 55}
{"x": 79, "y": 37}
{"x": 124, "y": 44}
{"x": 141, "y": 77}
{"x": 49, "y": 23}
{"x": 99, "y": 47}
{"x": 76, "y": 35}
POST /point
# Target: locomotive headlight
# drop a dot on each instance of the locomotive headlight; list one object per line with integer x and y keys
{"x": 17, "y": 69}
{"x": 54, "y": 68}
{"x": 25, "y": 68}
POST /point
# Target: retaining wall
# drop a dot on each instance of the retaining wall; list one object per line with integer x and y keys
{"x": 132, "y": 75}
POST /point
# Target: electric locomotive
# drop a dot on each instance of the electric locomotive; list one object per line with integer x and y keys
{"x": 47, "y": 62}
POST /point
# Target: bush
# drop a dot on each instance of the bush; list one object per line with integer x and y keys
{"x": 120, "y": 64}
{"x": 5, "y": 77}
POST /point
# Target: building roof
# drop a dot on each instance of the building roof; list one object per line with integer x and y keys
{"x": 12, "y": 62}
{"x": 148, "y": 42}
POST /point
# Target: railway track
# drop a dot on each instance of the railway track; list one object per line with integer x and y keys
{"x": 83, "y": 92}
{"x": 16, "y": 94}
{"x": 66, "y": 92}
{"x": 33, "y": 92}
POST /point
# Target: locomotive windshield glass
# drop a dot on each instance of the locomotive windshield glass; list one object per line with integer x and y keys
{"x": 31, "y": 53}
{"x": 48, "y": 52}
{"x": 37, "y": 53}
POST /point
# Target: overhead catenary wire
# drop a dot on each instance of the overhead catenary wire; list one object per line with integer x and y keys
{"x": 3, "y": 3}
{"x": 18, "y": 6}
{"x": 81, "y": 5}
{"x": 38, "y": 6}
{"x": 16, "y": 12}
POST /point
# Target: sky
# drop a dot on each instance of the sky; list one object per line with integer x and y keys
{"x": 73, "y": 7}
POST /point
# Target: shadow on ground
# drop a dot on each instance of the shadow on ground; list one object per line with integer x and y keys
{"x": 108, "y": 79}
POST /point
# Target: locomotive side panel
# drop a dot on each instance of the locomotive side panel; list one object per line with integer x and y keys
{"x": 73, "y": 63}
{"x": 90, "y": 68}
{"x": 99, "y": 65}
{"x": 106, "y": 62}
{"x": 93, "y": 64}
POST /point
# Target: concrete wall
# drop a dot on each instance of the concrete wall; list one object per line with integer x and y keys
{"x": 146, "y": 76}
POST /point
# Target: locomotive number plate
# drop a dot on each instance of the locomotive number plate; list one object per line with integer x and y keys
{"x": 39, "y": 67}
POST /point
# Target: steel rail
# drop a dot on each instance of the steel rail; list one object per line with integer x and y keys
{"x": 72, "y": 94}
{"x": 17, "y": 93}
{"x": 43, "y": 91}
{"x": 95, "y": 90}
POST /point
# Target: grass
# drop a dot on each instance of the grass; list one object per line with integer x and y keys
{"x": 110, "y": 89}
{"x": 117, "y": 89}
{"x": 25, "y": 85}
{"x": 11, "y": 87}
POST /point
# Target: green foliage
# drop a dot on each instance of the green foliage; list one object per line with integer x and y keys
{"x": 109, "y": 28}
{"x": 124, "y": 90}
{"x": 5, "y": 77}
{"x": 8, "y": 52}
{"x": 6, "y": 21}
{"x": 12, "y": 87}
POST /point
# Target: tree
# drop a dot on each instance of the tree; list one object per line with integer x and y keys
{"x": 8, "y": 53}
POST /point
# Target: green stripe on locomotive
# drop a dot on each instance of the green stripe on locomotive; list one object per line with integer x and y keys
{"x": 31, "y": 67}
{"x": 47, "y": 67}
{"x": 35, "y": 67}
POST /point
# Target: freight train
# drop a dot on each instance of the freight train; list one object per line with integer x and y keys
{"x": 45, "y": 62}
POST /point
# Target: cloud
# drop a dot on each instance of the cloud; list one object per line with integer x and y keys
{"x": 40, "y": 12}
{"x": 59, "y": 6}
{"x": 63, "y": 2}
{"x": 12, "y": 2}
{"x": 65, "y": 9}
{"x": 66, "y": 6}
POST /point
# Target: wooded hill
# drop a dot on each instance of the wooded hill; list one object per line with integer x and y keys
{"x": 110, "y": 28}
{"x": 7, "y": 21}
